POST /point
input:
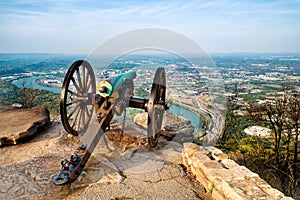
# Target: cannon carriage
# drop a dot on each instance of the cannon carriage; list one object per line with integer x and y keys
{"x": 80, "y": 98}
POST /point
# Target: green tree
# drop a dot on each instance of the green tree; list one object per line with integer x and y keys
{"x": 281, "y": 113}
{"x": 27, "y": 96}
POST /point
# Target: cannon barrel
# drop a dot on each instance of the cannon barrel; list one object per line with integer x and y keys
{"x": 114, "y": 83}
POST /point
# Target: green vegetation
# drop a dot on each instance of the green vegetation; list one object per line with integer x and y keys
{"x": 10, "y": 70}
{"x": 8, "y": 92}
{"x": 29, "y": 97}
{"x": 65, "y": 190}
{"x": 211, "y": 187}
{"x": 142, "y": 91}
{"x": 131, "y": 112}
{"x": 275, "y": 159}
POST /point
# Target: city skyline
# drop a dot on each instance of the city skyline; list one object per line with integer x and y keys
{"x": 218, "y": 26}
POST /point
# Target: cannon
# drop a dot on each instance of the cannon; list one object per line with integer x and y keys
{"x": 80, "y": 97}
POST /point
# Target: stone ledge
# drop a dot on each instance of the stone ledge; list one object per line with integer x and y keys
{"x": 19, "y": 124}
{"x": 223, "y": 177}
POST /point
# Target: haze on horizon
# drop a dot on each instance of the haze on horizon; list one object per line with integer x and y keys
{"x": 76, "y": 27}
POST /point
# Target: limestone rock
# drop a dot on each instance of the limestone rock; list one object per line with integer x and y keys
{"x": 141, "y": 119}
{"x": 19, "y": 124}
{"x": 224, "y": 177}
{"x": 174, "y": 128}
{"x": 216, "y": 153}
{"x": 111, "y": 178}
{"x": 147, "y": 166}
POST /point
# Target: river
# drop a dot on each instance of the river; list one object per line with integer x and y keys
{"x": 31, "y": 82}
{"x": 193, "y": 117}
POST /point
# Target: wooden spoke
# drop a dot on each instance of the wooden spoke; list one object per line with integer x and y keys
{"x": 79, "y": 78}
{"x": 83, "y": 115}
{"x": 77, "y": 106}
{"x": 88, "y": 112}
{"x": 76, "y": 118}
{"x": 72, "y": 102}
{"x": 83, "y": 79}
{"x": 87, "y": 79}
{"x": 89, "y": 84}
{"x": 78, "y": 88}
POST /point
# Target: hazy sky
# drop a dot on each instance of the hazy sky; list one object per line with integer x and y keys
{"x": 65, "y": 26}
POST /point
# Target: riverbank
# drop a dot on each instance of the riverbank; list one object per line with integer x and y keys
{"x": 212, "y": 122}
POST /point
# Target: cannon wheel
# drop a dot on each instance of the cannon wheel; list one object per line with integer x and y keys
{"x": 77, "y": 97}
{"x": 156, "y": 106}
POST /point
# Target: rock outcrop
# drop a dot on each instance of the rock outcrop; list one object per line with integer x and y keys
{"x": 19, "y": 124}
{"x": 223, "y": 177}
{"x": 174, "y": 128}
{"x": 141, "y": 119}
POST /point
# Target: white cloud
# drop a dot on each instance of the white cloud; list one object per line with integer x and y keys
{"x": 58, "y": 24}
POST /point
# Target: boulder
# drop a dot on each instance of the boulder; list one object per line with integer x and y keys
{"x": 19, "y": 124}
{"x": 141, "y": 119}
{"x": 175, "y": 128}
